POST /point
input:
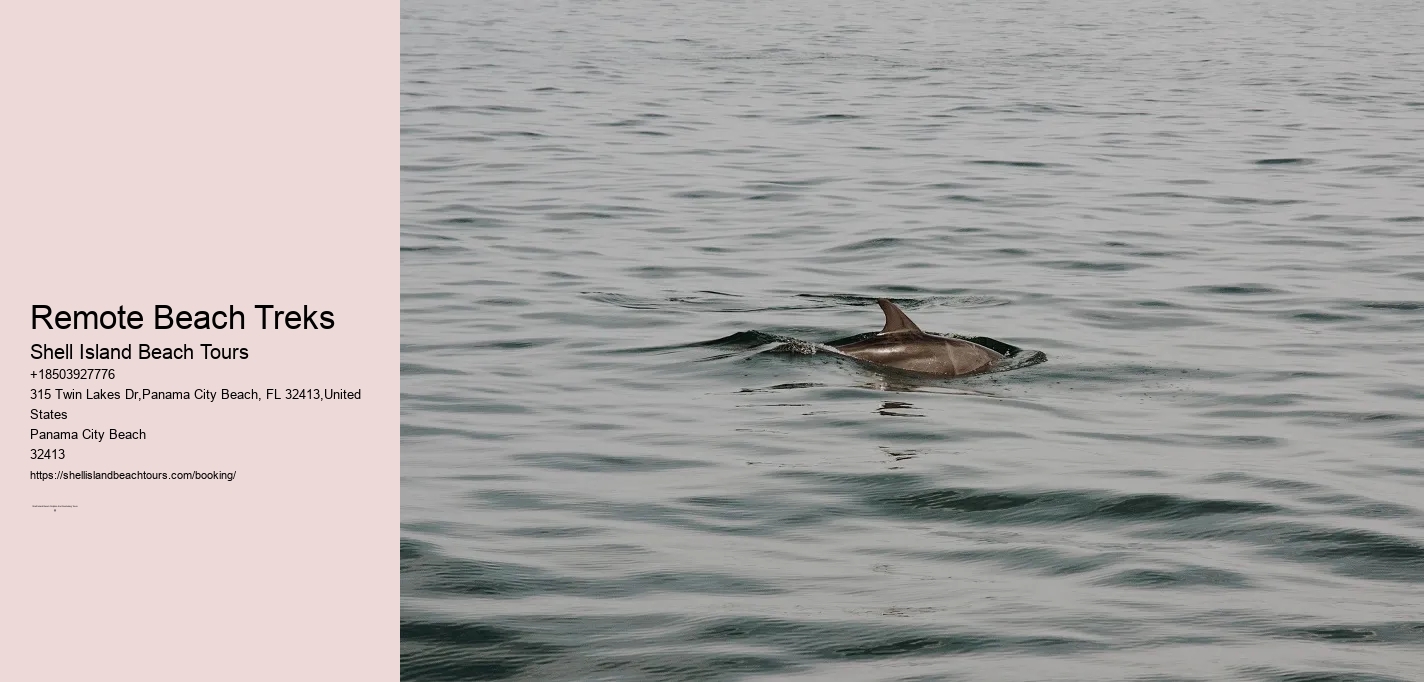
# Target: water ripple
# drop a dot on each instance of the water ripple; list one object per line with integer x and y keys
{"x": 629, "y": 228}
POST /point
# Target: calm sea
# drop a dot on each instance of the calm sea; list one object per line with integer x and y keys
{"x": 1209, "y": 216}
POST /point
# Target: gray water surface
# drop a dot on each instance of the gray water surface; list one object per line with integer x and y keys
{"x": 1209, "y": 216}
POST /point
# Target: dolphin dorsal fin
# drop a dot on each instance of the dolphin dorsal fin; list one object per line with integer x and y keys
{"x": 895, "y": 319}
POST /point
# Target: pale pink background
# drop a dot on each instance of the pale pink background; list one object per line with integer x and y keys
{"x": 201, "y": 154}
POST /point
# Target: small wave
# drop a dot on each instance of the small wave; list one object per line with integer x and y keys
{"x": 851, "y": 641}
{"x": 1017, "y": 164}
{"x": 876, "y": 243}
{"x": 1093, "y": 266}
{"x": 1235, "y": 289}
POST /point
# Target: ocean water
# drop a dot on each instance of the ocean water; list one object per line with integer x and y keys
{"x": 1208, "y": 215}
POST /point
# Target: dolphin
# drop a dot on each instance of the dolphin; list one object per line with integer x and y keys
{"x": 902, "y": 345}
